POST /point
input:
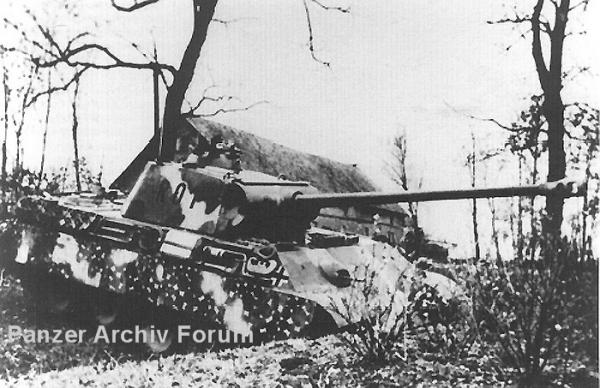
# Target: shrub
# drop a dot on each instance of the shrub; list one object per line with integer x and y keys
{"x": 381, "y": 313}
{"x": 540, "y": 310}
{"x": 411, "y": 316}
{"x": 443, "y": 327}
{"x": 21, "y": 182}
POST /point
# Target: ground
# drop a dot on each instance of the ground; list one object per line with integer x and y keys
{"x": 320, "y": 362}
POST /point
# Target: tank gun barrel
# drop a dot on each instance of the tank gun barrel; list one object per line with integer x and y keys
{"x": 564, "y": 188}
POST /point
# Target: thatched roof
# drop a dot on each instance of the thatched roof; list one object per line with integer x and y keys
{"x": 259, "y": 154}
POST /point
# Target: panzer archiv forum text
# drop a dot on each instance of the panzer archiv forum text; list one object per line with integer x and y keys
{"x": 227, "y": 247}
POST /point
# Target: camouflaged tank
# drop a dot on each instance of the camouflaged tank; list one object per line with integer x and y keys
{"x": 227, "y": 247}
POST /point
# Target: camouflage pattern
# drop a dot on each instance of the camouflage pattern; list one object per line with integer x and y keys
{"x": 219, "y": 202}
{"x": 232, "y": 248}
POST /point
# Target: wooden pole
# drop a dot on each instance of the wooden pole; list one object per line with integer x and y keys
{"x": 157, "y": 129}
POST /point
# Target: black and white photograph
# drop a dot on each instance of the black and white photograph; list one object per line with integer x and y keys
{"x": 299, "y": 193}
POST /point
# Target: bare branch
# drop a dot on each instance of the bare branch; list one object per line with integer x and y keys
{"x": 68, "y": 54}
{"x": 521, "y": 36}
{"x": 25, "y": 37}
{"x": 226, "y": 110}
{"x": 135, "y": 6}
{"x": 54, "y": 89}
{"x": 491, "y": 120}
{"x": 331, "y": 8}
{"x": 205, "y": 97}
{"x": 311, "y": 46}
{"x": 75, "y": 38}
{"x": 221, "y": 21}
{"x": 583, "y": 3}
{"x": 66, "y": 57}
{"x": 227, "y": 22}
{"x": 515, "y": 20}
{"x": 45, "y": 31}
{"x": 518, "y": 19}
{"x": 513, "y": 128}
{"x": 151, "y": 58}
{"x": 576, "y": 33}
{"x": 545, "y": 26}
{"x": 10, "y": 49}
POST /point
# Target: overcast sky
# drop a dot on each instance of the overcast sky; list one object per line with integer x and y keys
{"x": 419, "y": 66}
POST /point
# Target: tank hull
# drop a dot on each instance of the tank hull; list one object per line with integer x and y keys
{"x": 269, "y": 290}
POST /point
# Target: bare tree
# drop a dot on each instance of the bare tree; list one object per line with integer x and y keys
{"x": 549, "y": 68}
{"x": 17, "y": 96}
{"x": 25, "y": 85}
{"x": 398, "y": 173}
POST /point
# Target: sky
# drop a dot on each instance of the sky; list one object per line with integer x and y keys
{"x": 421, "y": 67}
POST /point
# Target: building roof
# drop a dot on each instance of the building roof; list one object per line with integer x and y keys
{"x": 263, "y": 155}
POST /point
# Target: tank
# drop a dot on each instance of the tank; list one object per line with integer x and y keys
{"x": 223, "y": 246}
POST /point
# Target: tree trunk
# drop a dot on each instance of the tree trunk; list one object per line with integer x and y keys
{"x": 476, "y": 231}
{"x": 203, "y": 14}
{"x": 18, "y": 155}
{"x": 74, "y": 132}
{"x": 5, "y": 89}
{"x": 554, "y": 111}
{"x": 474, "y": 213}
{"x": 553, "y": 108}
{"x": 45, "y": 136}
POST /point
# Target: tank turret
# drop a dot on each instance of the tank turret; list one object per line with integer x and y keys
{"x": 221, "y": 202}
